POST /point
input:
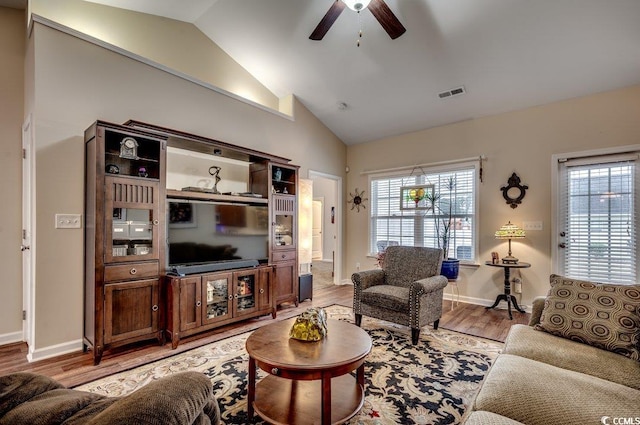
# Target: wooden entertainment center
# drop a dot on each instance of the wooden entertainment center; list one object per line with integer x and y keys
{"x": 132, "y": 292}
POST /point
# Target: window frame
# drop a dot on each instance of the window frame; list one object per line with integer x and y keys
{"x": 557, "y": 224}
{"x": 453, "y": 166}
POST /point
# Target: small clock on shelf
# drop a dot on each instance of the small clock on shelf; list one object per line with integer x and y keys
{"x": 129, "y": 148}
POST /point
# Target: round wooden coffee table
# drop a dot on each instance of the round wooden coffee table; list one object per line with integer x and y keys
{"x": 301, "y": 373}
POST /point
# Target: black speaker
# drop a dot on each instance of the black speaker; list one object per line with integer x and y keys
{"x": 305, "y": 287}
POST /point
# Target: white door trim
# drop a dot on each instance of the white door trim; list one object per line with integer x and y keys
{"x": 337, "y": 263}
{"x": 320, "y": 225}
{"x": 28, "y": 240}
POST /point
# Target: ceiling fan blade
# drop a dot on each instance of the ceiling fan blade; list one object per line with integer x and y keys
{"x": 332, "y": 14}
{"x": 387, "y": 19}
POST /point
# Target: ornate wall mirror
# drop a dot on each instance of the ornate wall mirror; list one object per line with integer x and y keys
{"x": 513, "y": 192}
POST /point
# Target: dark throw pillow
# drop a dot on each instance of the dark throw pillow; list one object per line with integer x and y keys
{"x": 603, "y": 315}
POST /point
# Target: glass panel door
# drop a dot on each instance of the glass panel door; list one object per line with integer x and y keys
{"x": 217, "y": 293}
{"x": 246, "y": 292}
{"x": 283, "y": 234}
{"x": 132, "y": 232}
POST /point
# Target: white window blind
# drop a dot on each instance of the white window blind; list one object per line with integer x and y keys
{"x": 391, "y": 225}
{"x": 599, "y": 217}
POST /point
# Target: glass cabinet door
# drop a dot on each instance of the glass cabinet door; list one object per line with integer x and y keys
{"x": 132, "y": 232}
{"x": 283, "y": 232}
{"x": 245, "y": 291}
{"x": 218, "y": 299}
{"x": 132, "y": 220}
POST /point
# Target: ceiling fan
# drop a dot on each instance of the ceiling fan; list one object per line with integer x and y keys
{"x": 378, "y": 8}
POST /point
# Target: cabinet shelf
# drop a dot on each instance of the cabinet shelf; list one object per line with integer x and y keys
{"x": 203, "y": 196}
{"x": 114, "y": 154}
{"x": 217, "y": 300}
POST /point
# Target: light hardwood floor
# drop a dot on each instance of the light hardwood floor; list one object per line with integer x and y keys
{"x": 77, "y": 368}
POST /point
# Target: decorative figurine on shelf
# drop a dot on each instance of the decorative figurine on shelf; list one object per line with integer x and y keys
{"x": 112, "y": 169}
{"x": 277, "y": 175}
{"x": 214, "y": 171}
{"x": 142, "y": 172}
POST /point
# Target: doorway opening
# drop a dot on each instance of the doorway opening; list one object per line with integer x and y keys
{"x": 326, "y": 229}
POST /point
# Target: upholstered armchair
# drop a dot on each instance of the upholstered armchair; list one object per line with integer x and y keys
{"x": 407, "y": 290}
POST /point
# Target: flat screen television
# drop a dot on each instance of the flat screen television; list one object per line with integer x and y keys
{"x": 223, "y": 235}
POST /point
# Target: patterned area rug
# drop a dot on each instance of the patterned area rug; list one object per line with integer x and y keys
{"x": 433, "y": 382}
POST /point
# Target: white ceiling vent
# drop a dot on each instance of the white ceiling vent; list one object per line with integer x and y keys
{"x": 458, "y": 91}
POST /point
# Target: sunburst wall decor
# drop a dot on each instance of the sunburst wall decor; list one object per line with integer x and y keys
{"x": 357, "y": 199}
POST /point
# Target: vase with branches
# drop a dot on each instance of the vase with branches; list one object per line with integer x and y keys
{"x": 443, "y": 219}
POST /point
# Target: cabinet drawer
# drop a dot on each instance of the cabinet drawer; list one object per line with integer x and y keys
{"x": 283, "y": 256}
{"x": 130, "y": 271}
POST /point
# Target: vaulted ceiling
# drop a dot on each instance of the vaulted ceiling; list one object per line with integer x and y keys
{"x": 508, "y": 55}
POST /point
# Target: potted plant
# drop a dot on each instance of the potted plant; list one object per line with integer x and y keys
{"x": 443, "y": 218}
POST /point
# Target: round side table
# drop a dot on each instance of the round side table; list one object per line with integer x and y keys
{"x": 507, "y": 296}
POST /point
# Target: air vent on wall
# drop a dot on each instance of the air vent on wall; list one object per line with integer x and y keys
{"x": 452, "y": 92}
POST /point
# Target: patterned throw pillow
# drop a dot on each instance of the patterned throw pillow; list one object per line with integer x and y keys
{"x": 603, "y": 315}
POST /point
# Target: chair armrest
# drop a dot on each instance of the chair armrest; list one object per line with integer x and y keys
{"x": 430, "y": 284}
{"x": 176, "y": 399}
{"x": 536, "y": 310}
{"x": 365, "y": 279}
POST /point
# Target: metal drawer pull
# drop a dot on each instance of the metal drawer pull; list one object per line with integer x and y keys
{"x": 275, "y": 371}
{"x": 284, "y": 256}
{"x": 155, "y": 307}
{"x": 133, "y": 271}
{"x": 155, "y": 222}
{"x": 262, "y": 290}
{"x": 235, "y": 296}
{"x": 230, "y": 296}
{"x": 199, "y": 303}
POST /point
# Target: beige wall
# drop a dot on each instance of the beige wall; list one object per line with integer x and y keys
{"x": 178, "y": 45}
{"x": 12, "y": 54}
{"x": 76, "y": 83}
{"x": 521, "y": 141}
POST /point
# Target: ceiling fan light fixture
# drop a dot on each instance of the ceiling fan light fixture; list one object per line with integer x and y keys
{"x": 357, "y": 5}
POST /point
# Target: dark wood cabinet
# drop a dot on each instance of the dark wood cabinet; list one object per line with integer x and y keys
{"x": 124, "y": 224}
{"x": 128, "y": 295}
{"x": 132, "y": 310}
{"x": 198, "y": 303}
{"x": 284, "y": 231}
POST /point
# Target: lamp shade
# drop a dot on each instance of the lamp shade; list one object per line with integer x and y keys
{"x": 510, "y": 231}
{"x": 357, "y": 5}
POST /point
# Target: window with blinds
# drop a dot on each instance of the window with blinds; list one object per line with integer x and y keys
{"x": 599, "y": 217}
{"x": 391, "y": 225}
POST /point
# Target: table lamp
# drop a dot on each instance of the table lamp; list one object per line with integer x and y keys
{"x": 510, "y": 231}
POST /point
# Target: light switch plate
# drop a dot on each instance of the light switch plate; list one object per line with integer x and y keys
{"x": 68, "y": 221}
{"x": 532, "y": 225}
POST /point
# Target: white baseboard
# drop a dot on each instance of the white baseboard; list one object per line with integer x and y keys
{"x": 11, "y": 338}
{"x": 54, "y": 350}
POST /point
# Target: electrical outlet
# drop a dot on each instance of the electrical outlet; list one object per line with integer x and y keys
{"x": 68, "y": 221}
{"x": 532, "y": 225}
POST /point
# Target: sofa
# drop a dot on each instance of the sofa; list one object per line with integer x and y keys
{"x": 578, "y": 361}
{"x": 180, "y": 399}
